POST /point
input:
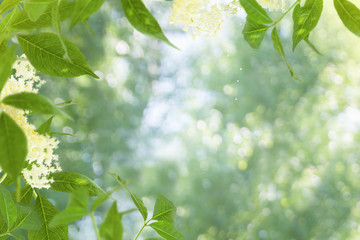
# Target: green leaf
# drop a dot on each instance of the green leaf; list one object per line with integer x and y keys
{"x": 32, "y": 102}
{"x": 46, "y": 212}
{"x": 142, "y": 20}
{"x": 26, "y": 194}
{"x": 84, "y": 9}
{"x": 7, "y": 5}
{"x": 312, "y": 46}
{"x": 79, "y": 198}
{"x": 69, "y": 215}
{"x": 111, "y": 228}
{"x": 35, "y": 8}
{"x": 305, "y": 19}
{"x": 13, "y": 146}
{"x": 46, "y": 54}
{"x": 44, "y": 129}
{"x": 23, "y": 22}
{"x": 27, "y": 218}
{"x": 255, "y": 12}
{"x": 101, "y": 199}
{"x": 76, "y": 209}
{"x": 71, "y": 181}
{"x": 349, "y": 14}
{"x": 7, "y": 207}
{"x": 279, "y": 48}
{"x": 137, "y": 201}
{"x": 254, "y": 33}
{"x": 167, "y": 231}
{"x": 7, "y": 60}
{"x": 164, "y": 210}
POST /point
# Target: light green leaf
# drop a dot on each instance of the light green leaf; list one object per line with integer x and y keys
{"x": 305, "y": 19}
{"x": 102, "y": 198}
{"x": 13, "y": 146}
{"x": 254, "y": 33}
{"x": 79, "y": 198}
{"x": 7, "y": 60}
{"x": 111, "y": 228}
{"x": 312, "y": 46}
{"x": 279, "y": 48}
{"x": 69, "y": 215}
{"x": 46, "y": 54}
{"x": 35, "y": 8}
{"x": 7, "y": 207}
{"x": 142, "y": 20}
{"x": 167, "y": 231}
{"x": 71, "y": 181}
{"x": 84, "y": 9}
{"x": 31, "y": 101}
{"x": 255, "y": 12}
{"x": 44, "y": 129}
{"x": 23, "y": 22}
{"x": 46, "y": 212}
{"x": 137, "y": 201}
{"x": 7, "y": 5}
{"x": 164, "y": 210}
{"x": 27, "y": 218}
{"x": 349, "y": 14}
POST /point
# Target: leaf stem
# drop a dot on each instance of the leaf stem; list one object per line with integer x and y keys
{"x": 18, "y": 189}
{"x": 3, "y": 177}
{"x": 286, "y": 13}
{"x": 95, "y": 226}
{"x": 145, "y": 224}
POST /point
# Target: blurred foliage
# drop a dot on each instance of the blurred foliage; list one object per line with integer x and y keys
{"x": 244, "y": 151}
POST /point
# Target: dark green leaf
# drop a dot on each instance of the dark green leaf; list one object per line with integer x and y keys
{"x": 26, "y": 194}
{"x": 164, "y": 210}
{"x": 46, "y": 212}
{"x": 349, "y": 14}
{"x": 305, "y": 19}
{"x": 255, "y": 12}
{"x": 254, "y": 33}
{"x": 111, "y": 228}
{"x": 7, "y": 207}
{"x": 137, "y": 201}
{"x": 46, "y": 54}
{"x": 22, "y": 21}
{"x": 44, "y": 128}
{"x": 142, "y": 20}
{"x": 7, "y": 60}
{"x": 84, "y": 9}
{"x": 279, "y": 48}
{"x": 13, "y": 146}
{"x": 167, "y": 231}
{"x": 31, "y": 101}
{"x": 35, "y": 8}
{"x": 71, "y": 181}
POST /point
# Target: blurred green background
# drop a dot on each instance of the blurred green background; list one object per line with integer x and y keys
{"x": 243, "y": 150}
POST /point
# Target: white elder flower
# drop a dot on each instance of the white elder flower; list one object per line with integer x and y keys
{"x": 274, "y": 5}
{"x": 202, "y": 16}
{"x": 40, "y": 158}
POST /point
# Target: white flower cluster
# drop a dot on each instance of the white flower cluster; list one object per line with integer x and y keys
{"x": 40, "y": 158}
{"x": 274, "y": 5}
{"x": 202, "y": 16}
{"x": 207, "y": 16}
